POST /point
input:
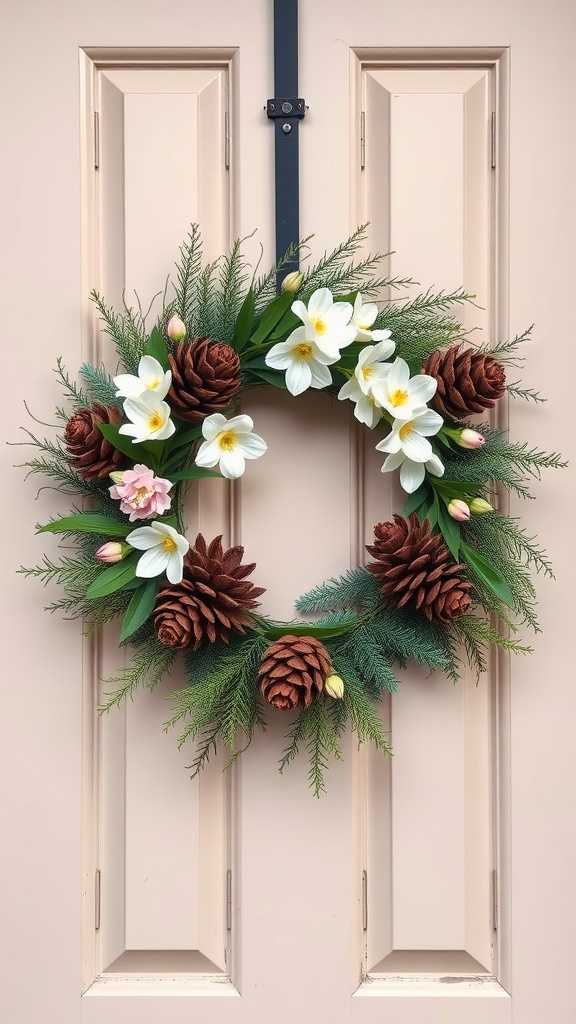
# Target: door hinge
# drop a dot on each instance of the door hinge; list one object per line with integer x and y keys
{"x": 228, "y": 900}
{"x": 96, "y": 140}
{"x": 227, "y": 140}
{"x": 495, "y": 901}
{"x": 362, "y": 140}
{"x": 364, "y": 901}
{"x": 97, "y": 899}
{"x": 493, "y": 139}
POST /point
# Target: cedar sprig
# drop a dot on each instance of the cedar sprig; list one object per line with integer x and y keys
{"x": 314, "y": 730}
{"x": 99, "y": 386}
{"x": 478, "y": 636}
{"x": 127, "y": 330}
{"x": 150, "y": 664}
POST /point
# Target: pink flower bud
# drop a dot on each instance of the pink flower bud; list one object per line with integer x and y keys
{"x": 112, "y": 552}
{"x": 480, "y": 507}
{"x": 470, "y": 439}
{"x": 176, "y": 328}
{"x": 459, "y": 510}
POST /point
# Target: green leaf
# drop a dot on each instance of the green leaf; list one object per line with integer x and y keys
{"x": 121, "y": 442}
{"x": 140, "y": 607}
{"x": 274, "y": 632}
{"x": 88, "y": 522}
{"x": 488, "y": 574}
{"x": 288, "y": 322}
{"x": 156, "y": 347}
{"x": 273, "y": 313}
{"x": 113, "y": 578}
{"x": 184, "y": 438}
{"x": 441, "y": 437}
{"x": 271, "y": 377}
{"x": 452, "y": 487}
{"x": 193, "y": 473}
{"x": 433, "y": 512}
{"x": 244, "y": 322}
{"x": 450, "y": 531}
{"x": 416, "y": 499}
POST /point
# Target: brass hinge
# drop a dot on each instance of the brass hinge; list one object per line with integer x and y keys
{"x": 493, "y": 139}
{"x": 362, "y": 140}
{"x": 495, "y": 901}
{"x": 228, "y": 900}
{"x": 96, "y": 140}
{"x": 227, "y": 140}
{"x": 364, "y": 900}
{"x": 97, "y": 899}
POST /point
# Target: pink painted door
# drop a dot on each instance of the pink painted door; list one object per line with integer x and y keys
{"x": 433, "y": 888}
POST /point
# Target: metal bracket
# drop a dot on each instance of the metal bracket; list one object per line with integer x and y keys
{"x": 286, "y": 106}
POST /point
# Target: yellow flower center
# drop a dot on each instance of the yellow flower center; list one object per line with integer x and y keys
{"x": 405, "y": 430}
{"x": 318, "y": 324}
{"x": 155, "y": 421}
{"x": 152, "y": 385}
{"x": 398, "y": 397}
{"x": 366, "y": 372}
{"x": 168, "y": 544}
{"x": 364, "y": 327}
{"x": 303, "y": 351}
{"x": 140, "y": 498}
{"x": 227, "y": 440}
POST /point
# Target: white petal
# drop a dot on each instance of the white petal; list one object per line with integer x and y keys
{"x": 434, "y": 466}
{"x": 299, "y": 310}
{"x": 208, "y": 454}
{"x": 416, "y": 447}
{"x": 383, "y": 336}
{"x": 422, "y": 388}
{"x": 367, "y": 412}
{"x": 411, "y": 475}
{"x": 340, "y": 315}
{"x": 165, "y": 431}
{"x": 384, "y": 348}
{"x": 298, "y": 378}
{"x": 428, "y": 423}
{"x": 128, "y": 385}
{"x": 143, "y": 538}
{"x": 390, "y": 444}
{"x": 319, "y": 303}
{"x": 213, "y": 425}
{"x": 399, "y": 376}
{"x": 152, "y": 562}
{"x": 253, "y": 446}
{"x": 129, "y": 429}
{"x": 350, "y": 390}
{"x": 321, "y": 376}
{"x": 232, "y": 464}
{"x": 242, "y": 424}
{"x": 365, "y": 314}
{"x": 152, "y": 375}
{"x": 392, "y": 462}
{"x": 175, "y": 567}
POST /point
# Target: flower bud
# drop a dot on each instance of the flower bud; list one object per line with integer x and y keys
{"x": 334, "y": 686}
{"x": 292, "y": 282}
{"x": 459, "y": 510}
{"x": 470, "y": 439}
{"x": 111, "y": 552}
{"x": 116, "y": 477}
{"x": 480, "y": 507}
{"x": 176, "y": 328}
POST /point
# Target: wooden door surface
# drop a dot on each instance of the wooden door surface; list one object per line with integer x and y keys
{"x": 435, "y": 887}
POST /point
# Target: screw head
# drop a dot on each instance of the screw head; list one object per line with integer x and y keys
{"x": 286, "y": 107}
{"x": 286, "y": 128}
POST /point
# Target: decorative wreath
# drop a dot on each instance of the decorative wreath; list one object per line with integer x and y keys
{"x": 448, "y": 577}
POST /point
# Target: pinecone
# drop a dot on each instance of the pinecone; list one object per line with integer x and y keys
{"x": 205, "y": 378}
{"x": 212, "y": 599}
{"x": 468, "y": 382}
{"x": 94, "y": 456}
{"x": 417, "y": 568}
{"x": 293, "y": 670}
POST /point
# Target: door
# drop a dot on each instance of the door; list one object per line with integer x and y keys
{"x": 432, "y": 888}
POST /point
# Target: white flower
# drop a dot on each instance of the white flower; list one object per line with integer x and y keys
{"x": 151, "y": 377}
{"x": 164, "y": 549}
{"x": 366, "y": 409}
{"x": 327, "y": 323}
{"x": 371, "y": 369}
{"x": 412, "y": 473}
{"x": 401, "y": 394}
{"x": 363, "y": 317}
{"x": 306, "y": 366}
{"x": 149, "y": 418}
{"x": 228, "y": 443}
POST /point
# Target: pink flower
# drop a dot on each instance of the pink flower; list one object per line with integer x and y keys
{"x": 459, "y": 510}
{"x": 112, "y": 552}
{"x": 142, "y": 495}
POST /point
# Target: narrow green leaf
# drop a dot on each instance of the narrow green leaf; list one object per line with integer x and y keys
{"x": 452, "y": 487}
{"x": 113, "y": 578}
{"x": 184, "y": 438}
{"x": 489, "y": 574}
{"x": 450, "y": 531}
{"x": 433, "y": 512}
{"x": 274, "y": 632}
{"x": 88, "y": 522}
{"x": 244, "y": 322}
{"x": 193, "y": 473}
{"x": 274, "y": 312}
{"x": 121, "y": 442}
{"x": 416, "y": 499}
{"x": 441, "y": 437}
{"x": 156, "y": 347}
{"x": 287, "y": 324}
{"x": 275, "y": 377}
{"x": 140, "y": 607}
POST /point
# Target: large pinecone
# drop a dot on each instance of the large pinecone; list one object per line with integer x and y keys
{"x": 468, "y": 382}
{"x": 212, "y": 600}
{"x": 293, "y": 670}
{"x": 94, "y": 456}
{"x": 414, "y": 567}
{"x": 205, "y": 378}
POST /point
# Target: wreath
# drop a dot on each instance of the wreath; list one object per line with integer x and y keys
{"x": 447, "y": 579}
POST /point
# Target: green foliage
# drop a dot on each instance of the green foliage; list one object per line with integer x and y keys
{"x": 357, "y": 588}
{"x": 314, "y": 729}
{"x": 421, "y": 325}
{"x": 99, "y": 386}
{"x": 361, "y": 711}
{"x": 127, "y": 330}
{"x": 477, "y": 636}
{"x": 510, "y": 463}
{"x": 150, "y": 663}
{"x": 188, "y": 271}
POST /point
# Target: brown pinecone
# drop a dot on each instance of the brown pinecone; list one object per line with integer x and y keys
{"x": 94, "y": 456}
{"x": 293, "y": 670}
{"x": 417, "y": 568}
{"x": 212, "y": 599}
{"x": 468, "y": 382}
{"x": 205, "y": 378}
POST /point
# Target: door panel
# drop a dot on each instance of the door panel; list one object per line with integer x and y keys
{"x": 482, "y": 775}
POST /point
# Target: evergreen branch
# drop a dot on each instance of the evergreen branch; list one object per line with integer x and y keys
{"x": 126, "y": 330}
{"x": 72, "y": 392}
{"x": 509, "y": 463}
{"x": 100, "y": 386}
{"x": 150, "y": 664}
{"x": 506, "y": 352}
{"x": 357, "y": 588}
{"x": 528, "y": 394}
{"x": 203, "y": 322}
{"x": 68, "y": 572}
{"x": 477, "y": 635}
{"x": 187, "y": 273}
{"x": 370, "y": 661}
{"x": 313, "y": 728}
{"x": 404, "y": 635}
{"x": 361, "y": 710}
{"x": 229, "y": 297}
